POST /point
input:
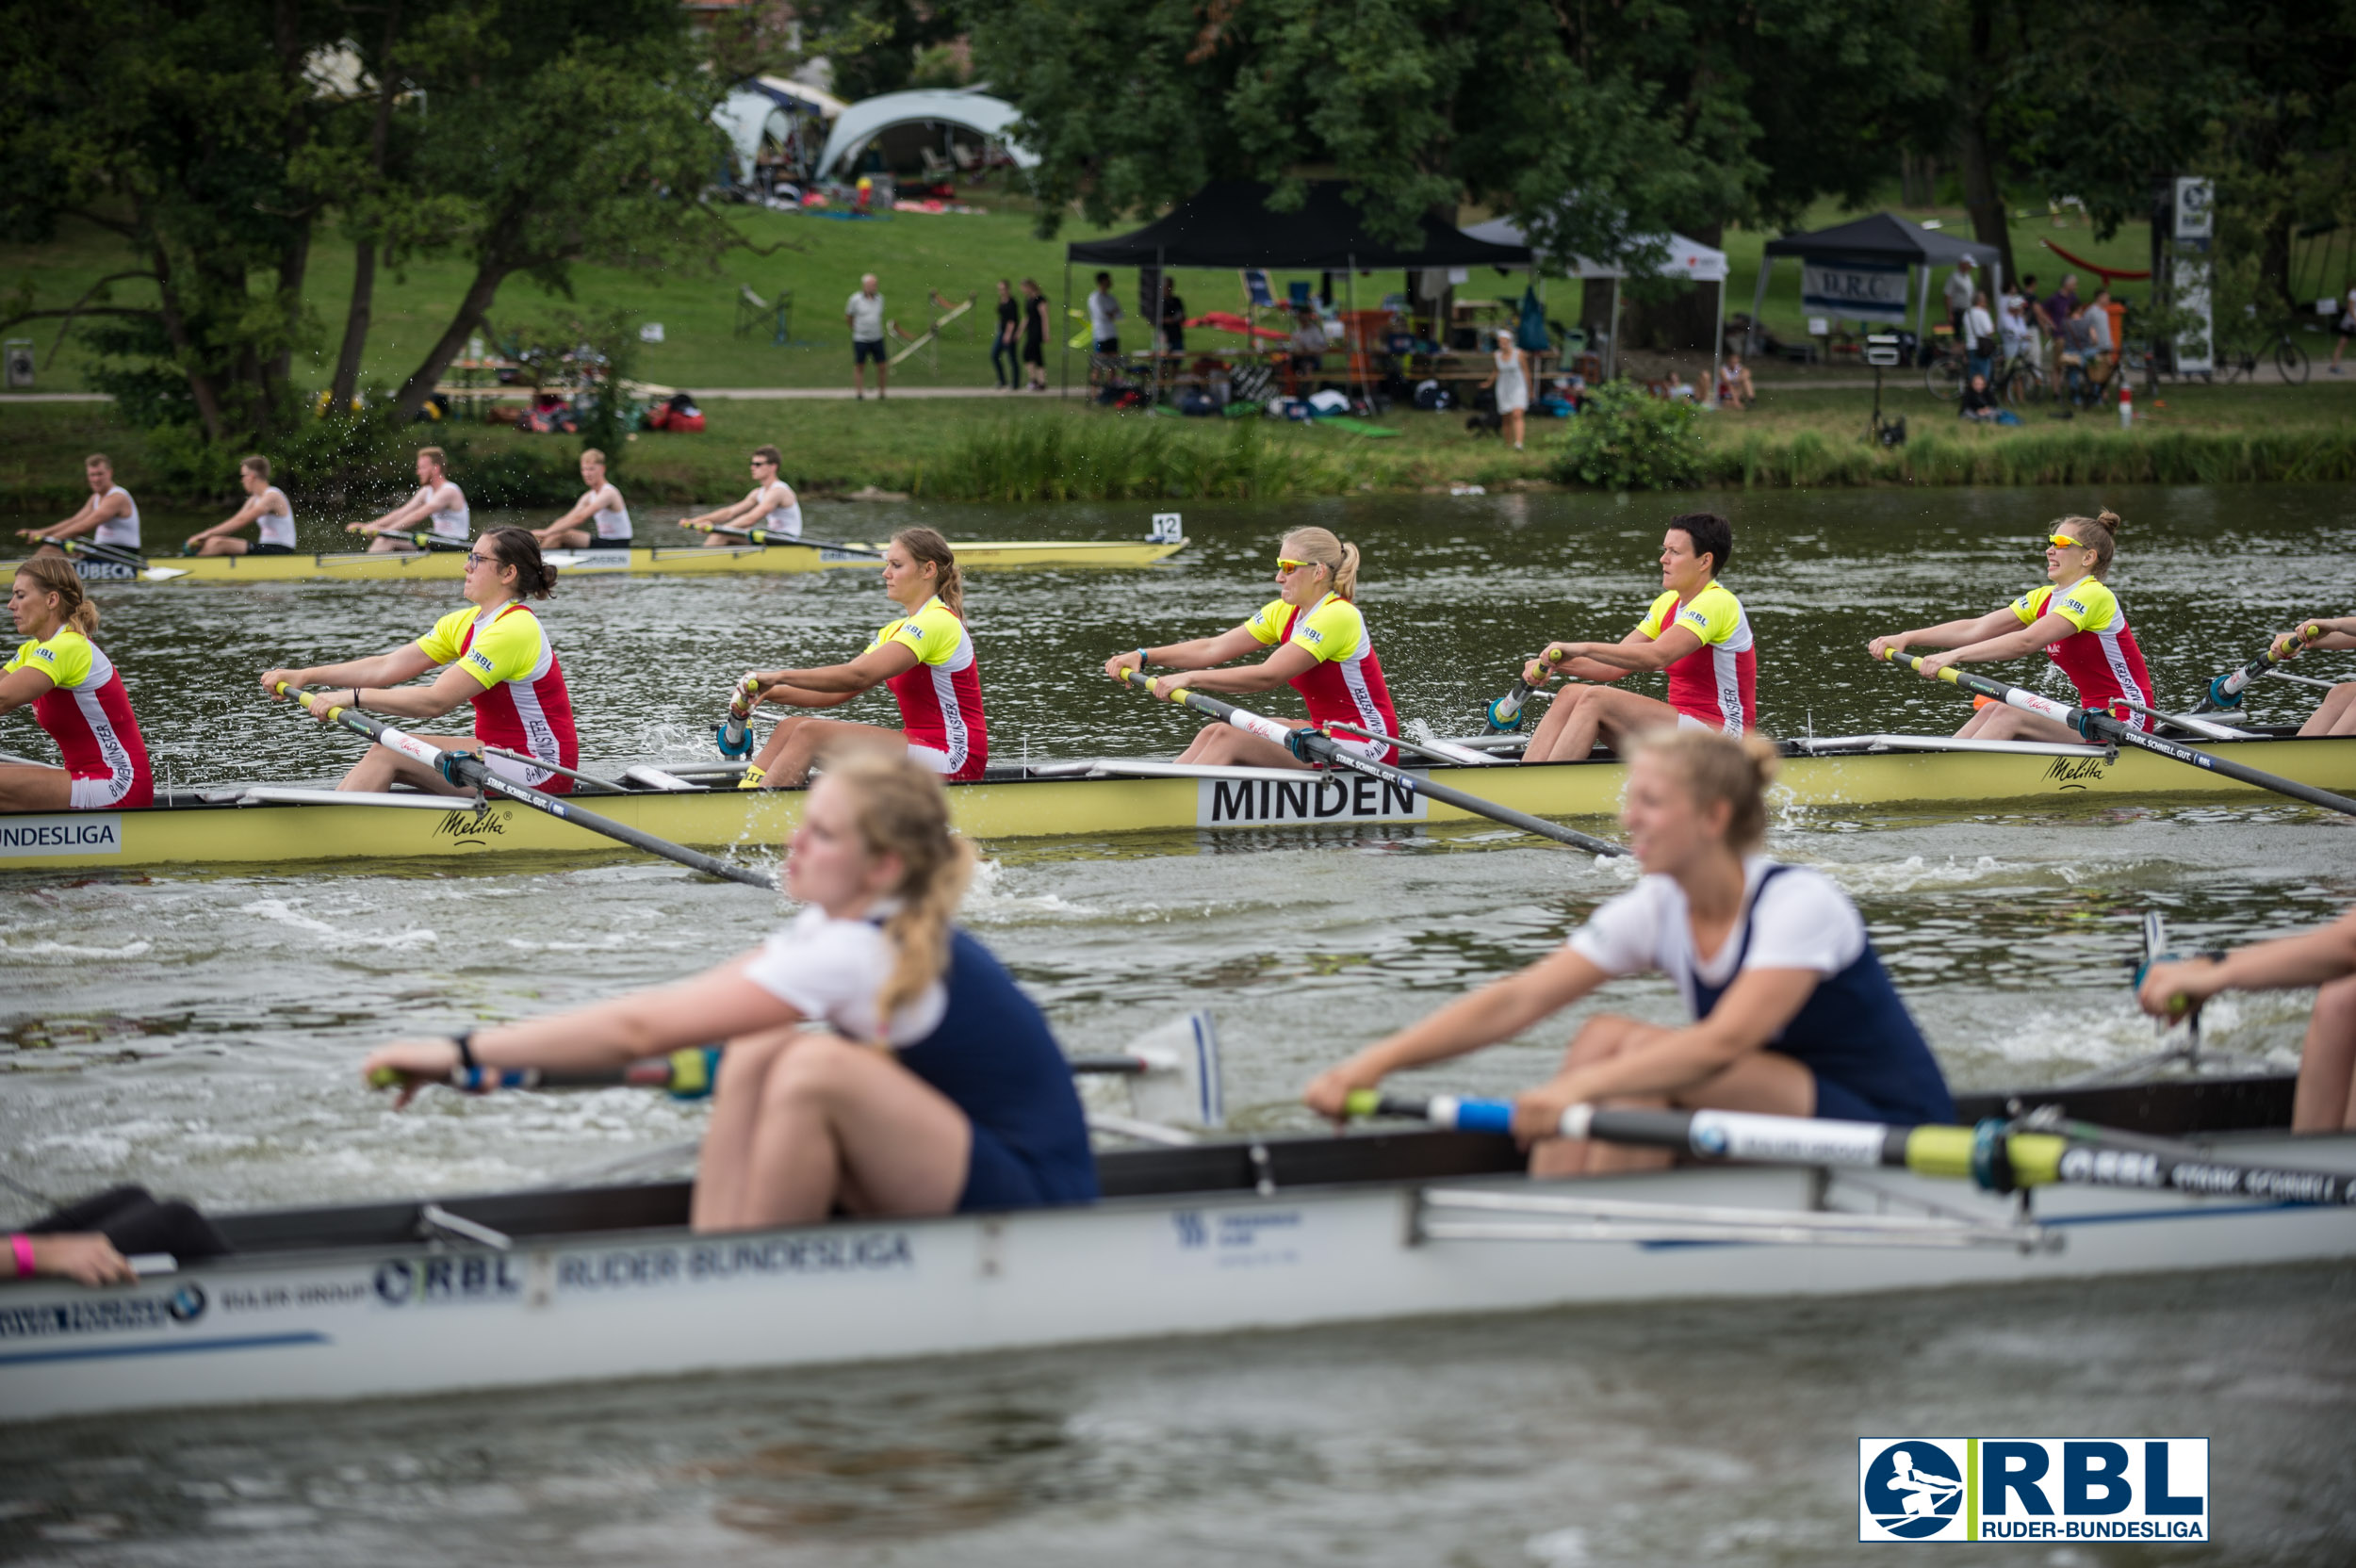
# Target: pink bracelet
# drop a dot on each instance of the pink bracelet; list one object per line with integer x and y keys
{"x": 23, "y": 1246}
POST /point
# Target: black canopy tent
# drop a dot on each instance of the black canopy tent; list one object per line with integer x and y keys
{"x": 1228, "y": 224}
{"x": 1884, "y": 238}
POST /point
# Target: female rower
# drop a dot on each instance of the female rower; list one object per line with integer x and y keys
{"x": 2078, "y": 621}
{"x": 941, "y": 1088}
{"x": 1323, "y": 651}
{"x": 770, "y": 505}
{"x": 600, "y": 519}
{"x": 438, "y": 503}
{"x": 1695, "y": 631}
{"x": 76, "y": 696}
{"x": 493, "y": 654}
{"x": 2325, "y": 1099}
{"x": 266, "y": 506}
{"x": 925, "y": 658}
{"x": 2336, "y": 715}
{"x": 1792, "y": 1012}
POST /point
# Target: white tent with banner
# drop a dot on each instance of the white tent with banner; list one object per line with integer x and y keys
{"x": 967, "y": 106}
{"x": 1680, "y": 257}
{"x": 1862, "y": 270}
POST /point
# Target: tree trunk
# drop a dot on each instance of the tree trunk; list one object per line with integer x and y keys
{"x": 477, "y": 304}
{"x": 201, "y": 388}
{"x": 357, "y": 315}
{"x": 277, "y": 375}
{"x": 1983, "y": 188}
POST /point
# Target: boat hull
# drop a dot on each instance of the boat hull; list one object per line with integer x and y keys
{"x": 636, "y": 561}
{"x": 409, "y": 1319}
{"x": 1036, "y": 805}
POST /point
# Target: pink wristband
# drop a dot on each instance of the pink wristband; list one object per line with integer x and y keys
{"x": 23, "y": 1246}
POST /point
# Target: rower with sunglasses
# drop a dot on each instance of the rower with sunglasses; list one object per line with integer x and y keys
{"x": 1323, "y": 651}
{"x": 2079, "y": 623}
{"x": 493, "y": 654}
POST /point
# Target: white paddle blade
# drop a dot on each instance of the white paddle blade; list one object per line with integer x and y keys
{"x": 1186, "y": 1091}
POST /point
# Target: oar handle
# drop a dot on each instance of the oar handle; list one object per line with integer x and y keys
{"x": 2226, "y": 691}
{"x": 687, "y": 1074}
{"x": 735, "y": 733}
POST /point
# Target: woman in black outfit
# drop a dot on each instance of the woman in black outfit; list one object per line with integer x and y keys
{"x": 1004, "y": 349}
{"x": 1035, "y": 333}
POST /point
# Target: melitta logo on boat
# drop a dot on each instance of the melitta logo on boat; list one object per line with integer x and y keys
{"x": 1314, "y": 798}
{"x": 79, "y": 833}
{"x": 2076, "y": 773}
{"x": 473, "y": 827}
{"x": 2064, "y": 1488}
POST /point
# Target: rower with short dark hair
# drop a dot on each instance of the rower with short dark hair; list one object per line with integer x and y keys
{"x": 1696, "y": 631}
{"x": 266, "y": 507}
{"x": 110, "y": 517}
{"x": 2079, "y": 623}
{"x": 493, "y": 654}
{"x": 438, "y": 503}
{"x": 770, "y": 505}
{"x": 1793, "y": 1014}
{"x": 940, "y": 1089}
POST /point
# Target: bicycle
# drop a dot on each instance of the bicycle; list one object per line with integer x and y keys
{"x": 2020, "y": 382}
{"x": 2275, "y": 346}
{"x": 1943, "y": 373}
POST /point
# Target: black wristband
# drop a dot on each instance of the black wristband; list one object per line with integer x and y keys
{"x": 464, "y": 1041}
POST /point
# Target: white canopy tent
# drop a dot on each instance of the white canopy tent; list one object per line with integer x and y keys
{"x": 767, "y": 106}
{"x": 971, "y": 108}
{"x": 1682, "y": 258}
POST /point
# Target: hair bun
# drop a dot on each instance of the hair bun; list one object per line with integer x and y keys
{"x": 2108, "y": 519}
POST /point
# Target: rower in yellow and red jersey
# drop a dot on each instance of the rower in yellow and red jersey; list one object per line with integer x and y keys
{"x": 925, "y": 659}
{"x": 2077, "y": 620}
{"x": 493, "y": 654}
{"x": 1323, "y": 651}
{"x": 76, "y": 697}
{"x": 1696, "y": 630}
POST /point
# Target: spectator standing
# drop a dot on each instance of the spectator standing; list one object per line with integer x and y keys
{"x": 1006, "y": 349}
{"x": 2016, "y": 324}
{"x": 2061, "y": 317}
{"x": 1510, "y": 374}
{"x": 1173, "y": 319}
{"x": 2347, "y": 329}
{"x": 1961, "y": 286}
{"x": 1979, "y": 337}
{"x": 1103, "y": 328}
{"x": 1035, "y": 333}
{"x": 865, "y": 311}
{"x": 1309, "y": 343}
{"x": 2101, "y": 340}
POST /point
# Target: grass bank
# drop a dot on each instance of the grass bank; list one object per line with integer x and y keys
{"x": 1018, "y": 450}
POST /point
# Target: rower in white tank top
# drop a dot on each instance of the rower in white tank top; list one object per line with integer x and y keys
{"x": 611, "y": 523}
{"x": 123, "y": 530}
{"x": 274, "y": 523}
{"x": 449, "y": 517}
{"x": 785, "y": 519}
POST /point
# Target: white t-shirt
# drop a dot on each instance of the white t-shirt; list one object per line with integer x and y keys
{"x": 2016, "y": 319}
{"x": 1981, "y": 329}
{"x": 1104, "y": 316}
{"x": 829, "y": 970}
{"x": 866, "y": 312}
{"x": 1803, "y": 922}
{"x": 2098, "y": 322}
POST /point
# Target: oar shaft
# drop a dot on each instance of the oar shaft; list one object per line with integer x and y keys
{"x": 118, "y": 555}
{"x": 1308, "y": 744}
{"x": 2226, "y": 690}
{"x": 461, "y": 767}
{"x": 2094, "y": 725}
{"x": 766, "y": 537}
{"x": 687, "y": 1074}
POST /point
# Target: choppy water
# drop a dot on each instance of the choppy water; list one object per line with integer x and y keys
{"x": 198, "y": 1031}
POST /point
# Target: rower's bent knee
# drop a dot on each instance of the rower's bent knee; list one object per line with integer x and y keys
{"x": 812, "y": 1070}
{"x": 1605, "y": 1035}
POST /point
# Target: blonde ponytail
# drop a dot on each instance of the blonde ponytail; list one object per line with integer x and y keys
{"x": 902, "y": 811}
{"x": 1716, "y": 767}
{"x": 54, "y": 574}
{"x": 1319, "y": 546}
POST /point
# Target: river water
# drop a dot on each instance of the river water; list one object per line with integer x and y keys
{"x": 197, "y": 1031}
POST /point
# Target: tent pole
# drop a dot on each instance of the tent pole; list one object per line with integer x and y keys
{"x": 1717, "y": 347}
{"x": 1063, "y": 328}
{"x": 1758, "y": 304}
{"x": 1349, "y": 301}
{"x": 1922, "y": 312}
{"x": 1612, "y": 369}
{"x": 1154, "y": 328}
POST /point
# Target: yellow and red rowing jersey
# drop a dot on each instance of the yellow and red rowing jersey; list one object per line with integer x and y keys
{"x": 523, "y": 705}
{"x": 87, "y": 713}
{"x": 940, "y": 694}
{"x": 2100, "y": 658}
{"x": 1346, "y": 683}
{"x": 1717, "y": 684}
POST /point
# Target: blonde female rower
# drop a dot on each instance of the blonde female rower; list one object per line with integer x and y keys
{"x": 76, "y": 697}
{"x": 1792, "y": 1012}
{"x": 925, "y": 658}
{"x": 940, "y": 1090}
{"x": 1323, "y": 651}
{"x": 2078, "y": 621}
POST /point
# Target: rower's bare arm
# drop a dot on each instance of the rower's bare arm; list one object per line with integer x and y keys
{"x": 1642, "y": 653}
{"x": 785, "y": 693}
{"x": 2339, "y": 634}
{"x": 1285, "y": 663}
{"x": 18, "y": 687}
{"x": 2017, "y": 643}
{"x": 1947, "y": 634}
{"x": 1197, "y": 653}
{"x": 244, "y": 514}
{"x": 92, "y": 513}
{"x": 1498, "y": 1011}
{"x": 405, "y": 662}
{"x": 577, "y": 517}
{"x": 726, "y": 515}
{"x": 1753, "y": 1011}
{"x": 864, "y": 674}
{"x": 456, "y": 686}
{"x": 2310, "y": 958}
{"x": 1598, "y": 662}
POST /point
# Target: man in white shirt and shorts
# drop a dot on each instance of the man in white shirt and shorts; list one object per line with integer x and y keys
{"x": 865, "y": 311}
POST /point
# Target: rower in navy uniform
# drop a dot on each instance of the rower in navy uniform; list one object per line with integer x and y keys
{"x": 1792, "y": 1012}
{"x": 940, "y": 1088}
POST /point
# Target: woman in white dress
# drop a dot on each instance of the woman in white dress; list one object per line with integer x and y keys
{"x": 1509, "y": 375}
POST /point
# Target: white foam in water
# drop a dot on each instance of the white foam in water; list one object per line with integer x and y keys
{"x": 71, "y": 950}
{"x": 1563, "y": 1548}
{"x": 283, "y": 912}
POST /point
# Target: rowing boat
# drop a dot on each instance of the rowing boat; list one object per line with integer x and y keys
{"x": 1093, "y": 798}
{"x": 635, "y": 560}
{"x": 517, "y": 1289}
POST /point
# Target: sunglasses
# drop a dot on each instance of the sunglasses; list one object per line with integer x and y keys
{"x": 1283, "y": 565}
{"x": 2063, "y": 539}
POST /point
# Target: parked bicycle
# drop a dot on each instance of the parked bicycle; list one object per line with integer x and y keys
{"x": 1944, "y": 372}
{"x": 2020, "y": 382}
{"x": 2273, "y": 345}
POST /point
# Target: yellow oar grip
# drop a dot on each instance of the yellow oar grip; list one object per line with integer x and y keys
{"x": 1178, "y": 693}
{"x": 1362, "y": 1101}
{"x": 385, "y": 1078}
{"x": 1940, "y": 1150}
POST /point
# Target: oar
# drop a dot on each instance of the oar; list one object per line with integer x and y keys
{"x": 114, "y": 555}
{"x": 2226, "y": 690}
{"x": 607, "y": 785}
{"x": 1439, "y": 751}
{"x": 1310, "y": 746}
{"x": 765, "y": 536}
{"x": 685, "y": 1074}
{"x": 461, "y": 767}
{"x": 2095, "y": 725}
{"x": 1997, "y": 1156}
{"x": 735, "y": 734}
{"x": 424, "y": 539}
{"x": 1505, "y": 714}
